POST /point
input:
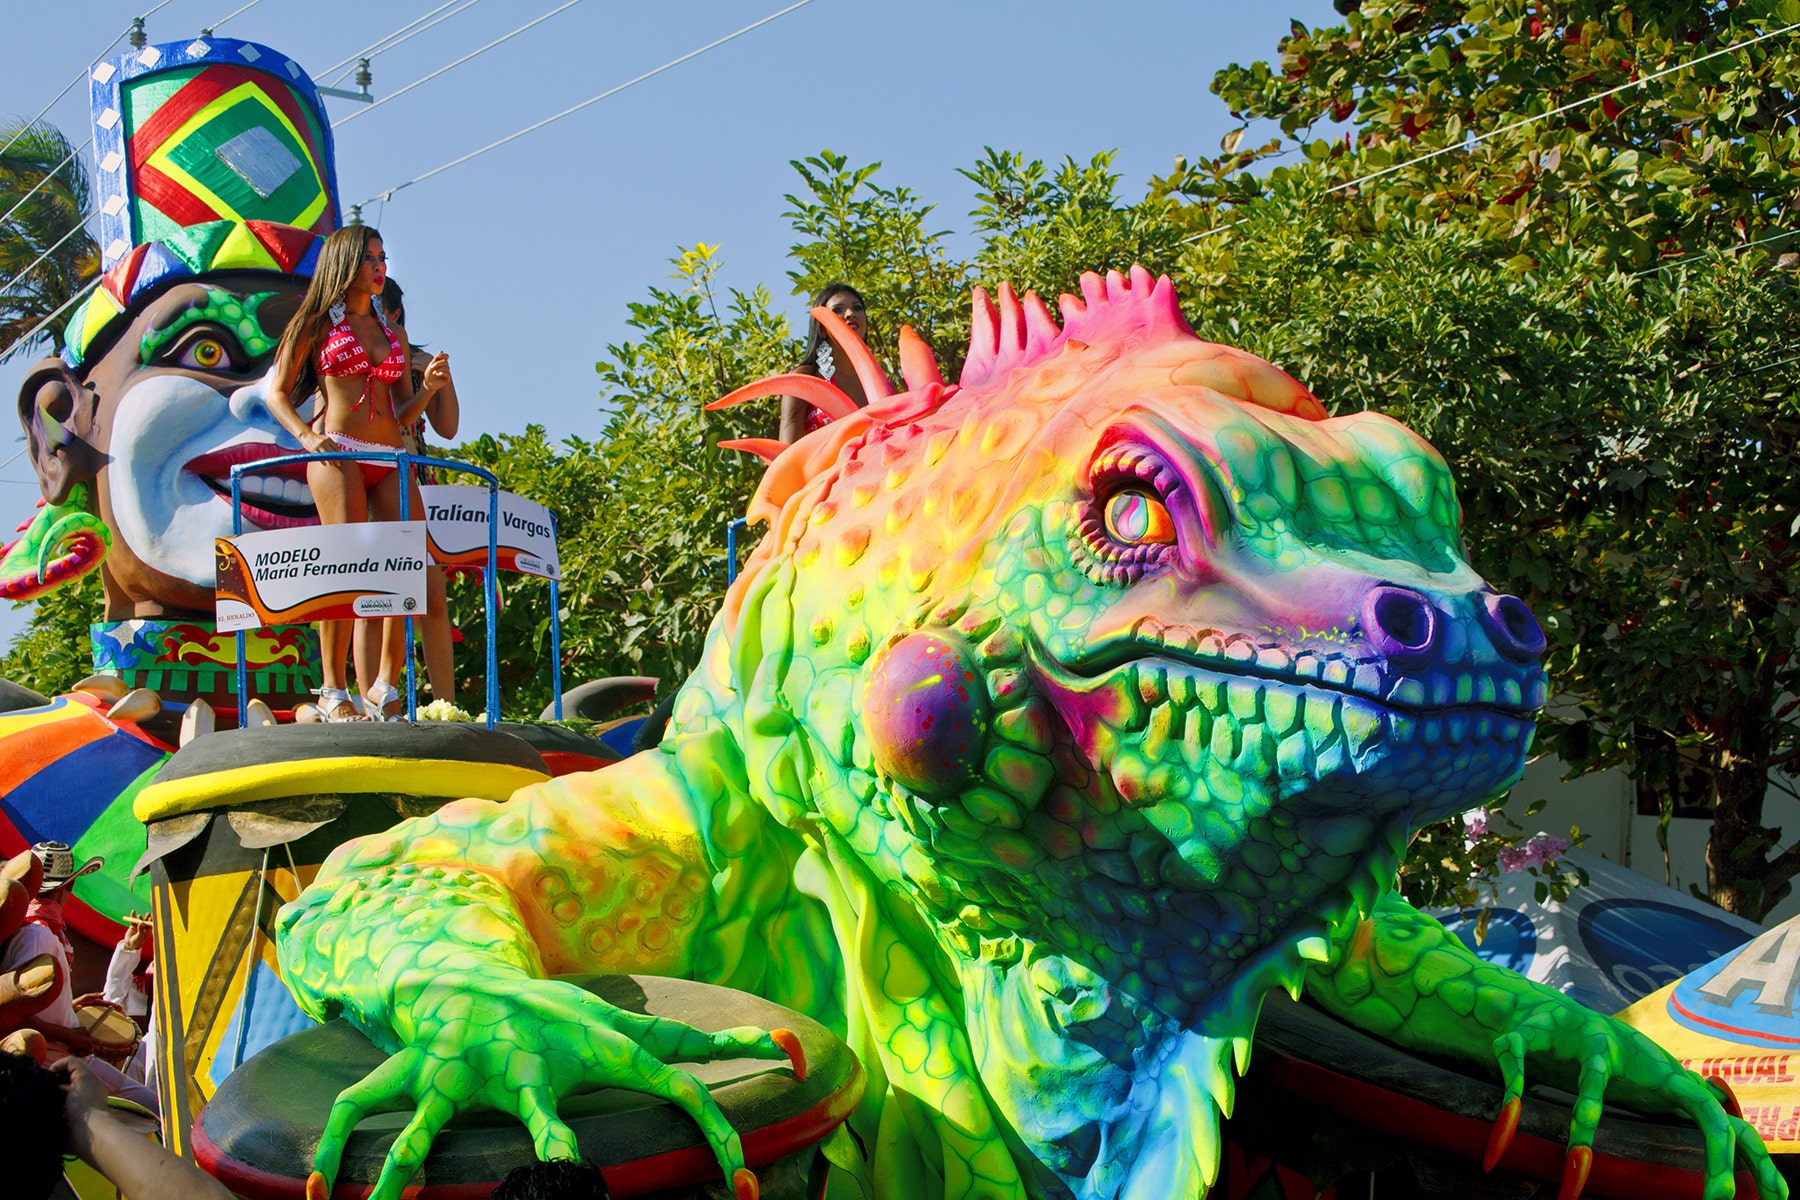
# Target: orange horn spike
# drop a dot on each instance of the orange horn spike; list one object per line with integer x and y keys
{"x": 817, "y": 392}
{"x": 767, "y": 449}
{"x": 918, "y": 365}
{"x": 874, "y": 380}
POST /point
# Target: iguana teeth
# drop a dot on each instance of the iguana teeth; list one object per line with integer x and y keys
{"x": 1216, "y": 1076}
{"x": 1207, "y": 1148}
{"x": 1313, "y": 949}
{"x": 1240, "y": 1054}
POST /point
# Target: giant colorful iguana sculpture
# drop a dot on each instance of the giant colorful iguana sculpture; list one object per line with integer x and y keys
{"x": 1060, "y": 715}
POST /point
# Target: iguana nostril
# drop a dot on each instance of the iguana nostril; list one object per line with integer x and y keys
{"x": 1515, "y": 630}
{"x": 1400, "y": 623}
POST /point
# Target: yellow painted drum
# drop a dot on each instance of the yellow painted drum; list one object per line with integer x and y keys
{"x": 239, "y": 823}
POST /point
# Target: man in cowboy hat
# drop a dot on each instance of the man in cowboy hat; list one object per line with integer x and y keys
{"x": 43, "y": 937}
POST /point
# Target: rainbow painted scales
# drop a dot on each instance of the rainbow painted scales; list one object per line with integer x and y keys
{"x": 1061, "y": 714}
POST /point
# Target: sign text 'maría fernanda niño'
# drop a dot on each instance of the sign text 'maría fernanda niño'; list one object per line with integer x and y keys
{"x": 320, "y": 573}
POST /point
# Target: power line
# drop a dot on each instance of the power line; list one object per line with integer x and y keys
{"x": 362, "y": 112}
{"x": 85, "y": 288}
{"x": 1774, "y": 237}
{"x": 613, "y": 91}
{"x": 395, "y": 39}
{"x": 1477, "y": 139}
{"x": 79, "y": 76}
{"x": 234, "y": 13}
{"x": 381, "y": 43}
{"x": 7, "y": 290}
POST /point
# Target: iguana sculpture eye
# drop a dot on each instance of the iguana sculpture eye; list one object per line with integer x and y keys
{"x": 1136, "y": 519}
{"x": 1126, "y": 529}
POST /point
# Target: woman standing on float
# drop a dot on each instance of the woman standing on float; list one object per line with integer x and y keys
{"x": 342, "y": 340}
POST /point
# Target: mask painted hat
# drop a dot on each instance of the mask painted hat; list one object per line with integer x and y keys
{"x": 211, "y": 155}
{"x": 59, "y": 866}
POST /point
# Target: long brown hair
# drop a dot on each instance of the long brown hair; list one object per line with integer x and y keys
{"x": 340, "y": 258}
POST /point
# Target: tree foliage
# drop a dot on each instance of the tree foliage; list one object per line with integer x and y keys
{"x": 1591, "y": 316}
{"x": 642, "y": 509}
{"x": 43, "y": 252}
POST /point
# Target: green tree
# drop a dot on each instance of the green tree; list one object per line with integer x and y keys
{"x": 44, "y": 195}
{"x": 52, "y": 653}
{"x": 642, "y": 510}
{"x": 1623, "y": 434}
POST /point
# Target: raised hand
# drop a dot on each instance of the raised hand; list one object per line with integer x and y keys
{"x": 437, "y": 372}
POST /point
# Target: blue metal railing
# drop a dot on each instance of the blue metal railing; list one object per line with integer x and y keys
{"x": 731, "y": 536}
{"x": 403, "y": 462}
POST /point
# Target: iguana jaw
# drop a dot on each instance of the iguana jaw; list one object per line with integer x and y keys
{"x": 1285, "y": 806}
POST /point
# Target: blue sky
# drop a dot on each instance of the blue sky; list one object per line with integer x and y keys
{"x": 520, "y": 263}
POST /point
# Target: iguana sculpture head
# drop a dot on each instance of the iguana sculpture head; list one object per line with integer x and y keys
{"x": 1121, "y": 650}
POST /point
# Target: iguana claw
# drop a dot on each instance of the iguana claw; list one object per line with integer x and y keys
{"x": 1727, "y": 1098}
{"x": 1505, "y": 1125}
{"x": 789, "y": 1041}
{"x": 743, "y": 1183}
{"x": 1575, "y": 1172}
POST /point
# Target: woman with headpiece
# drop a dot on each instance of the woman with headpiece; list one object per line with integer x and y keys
{"x": 342, "y": 341}
{"x": 824, "y": 358}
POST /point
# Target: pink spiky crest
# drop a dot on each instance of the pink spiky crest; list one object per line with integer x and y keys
{"x": 1022, "y": 332}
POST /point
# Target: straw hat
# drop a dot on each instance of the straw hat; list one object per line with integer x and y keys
{"x": 59, "y": 866}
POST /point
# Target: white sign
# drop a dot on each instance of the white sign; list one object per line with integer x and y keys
{"x": 458, "y": 519}
{"x": 320, "y": 573}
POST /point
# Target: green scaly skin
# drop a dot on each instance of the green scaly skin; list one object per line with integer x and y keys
{"x": 1057, "y": 719}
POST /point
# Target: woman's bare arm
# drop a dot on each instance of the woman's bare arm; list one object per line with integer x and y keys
{"x": 445, "y": 410}
{"x": 137, "y": 1166}
{"x": 409, "y": 404}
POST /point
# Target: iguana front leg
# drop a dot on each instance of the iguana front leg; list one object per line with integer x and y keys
{"x": 434, "y": 938}
{"x": 1399, "y": 974}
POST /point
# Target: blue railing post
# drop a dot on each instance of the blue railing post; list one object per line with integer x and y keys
{"x": 555, "y": 630}
{"x": 731, "y": 535}
{"x": 490, "y": 583}
{"x": 243, "y": 665}
{"x": 412, "y": 671}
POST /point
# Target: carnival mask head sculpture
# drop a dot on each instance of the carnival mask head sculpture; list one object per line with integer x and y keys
{"x": 155, "y": 425}
{"x": 216, "y": 188}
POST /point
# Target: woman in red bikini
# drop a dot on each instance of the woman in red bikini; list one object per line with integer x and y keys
{"x": 342, "y": 340}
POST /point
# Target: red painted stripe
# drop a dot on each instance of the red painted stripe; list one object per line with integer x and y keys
{"x": 1734, "y": 1029}
{"x": 695, "y": 1164}
{"x": 173, "y": 199}
{"x": 1414, "y": 1120}
{"x": 174, "y": 112}
{"x": 568, "y": 762}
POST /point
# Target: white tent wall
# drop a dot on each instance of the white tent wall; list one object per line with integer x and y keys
{"x": 1604, "y": 805}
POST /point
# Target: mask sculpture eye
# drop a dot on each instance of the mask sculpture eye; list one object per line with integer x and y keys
{"x": 205, "y": 354}
{"x": 1136, "y": 519}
